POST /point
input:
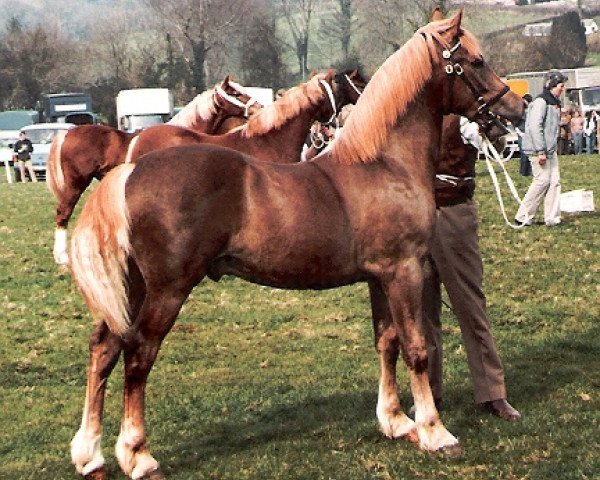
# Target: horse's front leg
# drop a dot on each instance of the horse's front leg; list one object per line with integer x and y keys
{"x": 86, "y": 452}
{"x": 404, "y": 295}
{"x": 392, "y": 420}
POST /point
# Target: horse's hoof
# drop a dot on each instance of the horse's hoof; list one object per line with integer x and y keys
{"x": 153, "y": 475}
{"x": 412, "y": 436}
{"x": 99, "y": 474}
{"x": 451, "y": 451}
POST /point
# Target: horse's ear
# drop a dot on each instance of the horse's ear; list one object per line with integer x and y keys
{"x": 437, "y": 14}
{"x": 329, "y": 76}
{"x": 225, "y": 82}
{"x": 312, "y": 73}
{"x": 456, "y": 20}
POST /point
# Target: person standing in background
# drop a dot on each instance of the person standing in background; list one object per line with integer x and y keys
{"x": 524, "y": 165}
{"x": 540, "y": 141}
{"x": 564, "y": 134}
{"x": 23, "y": 149}
{"x": 589, "y": 131}
{"x": 577, "y": 132}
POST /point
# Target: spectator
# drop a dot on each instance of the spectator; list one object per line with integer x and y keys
{"x": 23, "y": 149}
{"x": 589, "y": 131}
{"x": 524, "y": 165}
{"x": 564, "y": 133}
{"x": 577, "y": 132}
{"x": 540, "y": 140}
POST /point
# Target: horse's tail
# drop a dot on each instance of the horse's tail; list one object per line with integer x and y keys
{"x": 100, "y": 249}
{"x": 55, "y": 178}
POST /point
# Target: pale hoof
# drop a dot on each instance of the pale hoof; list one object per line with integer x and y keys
{"x": 61, "y": 258}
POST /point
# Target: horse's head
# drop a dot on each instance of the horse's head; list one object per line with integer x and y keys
{"x": 350, "y": 85}
{"x": 233, "y": 100}
{"x": 469, "y": 86}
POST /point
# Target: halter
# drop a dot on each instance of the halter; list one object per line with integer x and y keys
{"x": 483, "y": 111}
{"x": 353, "y": 85}
{"x": 234, "y": 101}
{"x": 327, "y": 88}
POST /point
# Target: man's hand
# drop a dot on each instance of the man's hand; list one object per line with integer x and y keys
{"x": 542, "y": 159}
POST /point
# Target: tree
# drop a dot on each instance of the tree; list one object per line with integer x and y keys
{"x": 298, "y": 17}
{"x": 261, "y": 63}
{"x": 198, "y": 28}
{"x": 340, "y": 24}
{"x": 567, "y": 46}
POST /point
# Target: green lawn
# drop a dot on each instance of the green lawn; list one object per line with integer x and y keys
{"x": 258, "y": 383}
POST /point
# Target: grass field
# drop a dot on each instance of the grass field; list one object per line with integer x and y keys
{"x": 257, "y": 383}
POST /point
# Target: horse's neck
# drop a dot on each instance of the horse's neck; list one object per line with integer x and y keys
{"x": 414, "y": 141}
{"x": 291, "y": 135}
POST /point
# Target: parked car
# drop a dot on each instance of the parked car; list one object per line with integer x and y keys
{"x": 41, "y": 135}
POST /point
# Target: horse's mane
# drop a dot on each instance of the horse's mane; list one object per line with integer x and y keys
{"x": 386, "y": 98}
{"x": 294, "y": 101}
{"x": 201, "y": 108}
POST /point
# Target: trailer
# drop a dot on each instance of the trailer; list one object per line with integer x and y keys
{"x": 582, "y": 89}
{"x": 71, "y": 107}
{"x": 139, "y": 108}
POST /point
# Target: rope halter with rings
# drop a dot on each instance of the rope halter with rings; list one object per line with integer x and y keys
{"x": 235, "y": 101}
{"x": 317, "y": 139}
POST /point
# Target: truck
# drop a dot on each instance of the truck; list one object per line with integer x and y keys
{"x": 139, "y": 108}
{"x": 71, "y": 107}
{"x": 582, "y": 90}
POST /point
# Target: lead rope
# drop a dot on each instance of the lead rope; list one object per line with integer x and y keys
{"x": 490, "y": 152}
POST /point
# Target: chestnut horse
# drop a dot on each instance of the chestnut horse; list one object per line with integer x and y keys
{"x": 278, "y": 131}
{"x": 362, "y": 211}
{"x": 90, "y": 151}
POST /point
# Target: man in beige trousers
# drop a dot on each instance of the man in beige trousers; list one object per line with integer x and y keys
{"x": 539, "y": 143}
{"x": 455, "y": 261}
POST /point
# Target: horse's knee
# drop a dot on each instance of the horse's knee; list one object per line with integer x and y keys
{"x": 388, "y": 341}
{"x": 415, "y": 358}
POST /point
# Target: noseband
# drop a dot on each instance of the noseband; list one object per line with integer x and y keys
{"x": 484, "y": 116}
{"x": 234, "y": 101}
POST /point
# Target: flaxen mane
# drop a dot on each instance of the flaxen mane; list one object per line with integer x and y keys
{"x": 200, "y": 108}
{"x": 278, "y": 113}
{"x": 385, "y": 98}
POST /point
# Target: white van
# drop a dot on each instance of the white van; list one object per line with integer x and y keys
{"x": 41, "y": 135}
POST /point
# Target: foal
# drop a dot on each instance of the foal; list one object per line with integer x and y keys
{"x": 90, "y": 151}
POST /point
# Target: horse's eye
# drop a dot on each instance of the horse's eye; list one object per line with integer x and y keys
{"x": 478, "y": 63}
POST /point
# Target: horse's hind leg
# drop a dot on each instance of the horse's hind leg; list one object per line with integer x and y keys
{"x": 404, "y": 297}
{"x": 156, "y": 317}
{"x": 392, "y": 420}
{"x": 86, "y": 454}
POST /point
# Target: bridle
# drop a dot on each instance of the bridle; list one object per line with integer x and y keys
{"x": 484, "y": 116}
{"x": 331, "y": 98}
{"x": 235, "y": 101}
{"x": 352, "y": 85}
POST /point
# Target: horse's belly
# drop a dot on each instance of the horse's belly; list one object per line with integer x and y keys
{"x": 291, "y": 272}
